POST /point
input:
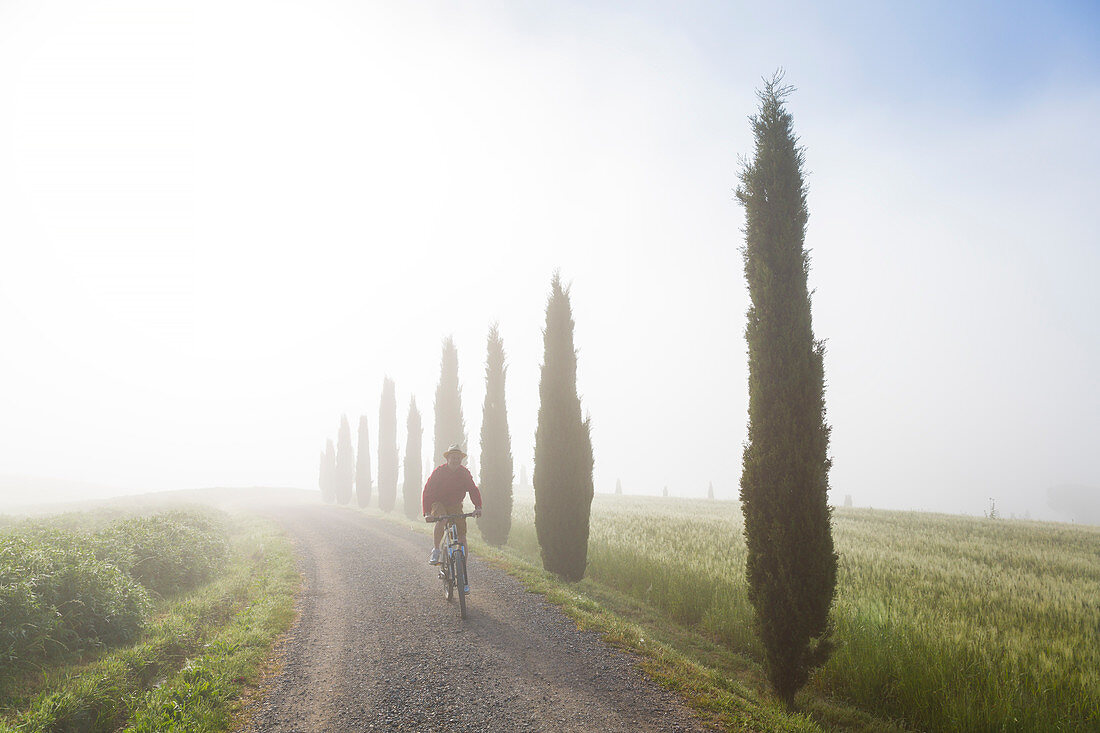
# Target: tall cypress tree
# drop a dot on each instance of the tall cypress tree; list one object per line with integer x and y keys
{"x": 328, "y": 473}
{"x": 387, "y": 446}
{"x": 563, "y": 447}
{"x": 791, "y": 566}
{"x": 618, "y": 487}
{"x": 414, "y": 479}
{"x": 496, "y": 448}
{"x": 450, "y": 428}
{"x": 345, "y": 462}
{"x": 362, "y": 464}
{"x": 322, "y": 479}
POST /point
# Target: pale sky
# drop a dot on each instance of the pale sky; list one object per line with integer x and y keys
{"x": 223, "y": 223}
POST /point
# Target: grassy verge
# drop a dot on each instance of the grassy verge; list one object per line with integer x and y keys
{"x": 726, "y": 688}
{"x": 943, "y": 622}
{"x": 188, "y": 668}
{"x": 700, "y": 673}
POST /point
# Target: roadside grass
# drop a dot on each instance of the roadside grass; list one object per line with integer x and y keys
{"x": 722, "y": 688}
{"x": 186, "y": 671}
{"x": 943, "y": 622}
{"x": 725, "y": 688}
{"x": 74, "y": 584}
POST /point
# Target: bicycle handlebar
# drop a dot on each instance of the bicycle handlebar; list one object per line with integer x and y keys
{"x": 449, "y": 516}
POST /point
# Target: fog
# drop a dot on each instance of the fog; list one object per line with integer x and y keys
{"x": 222, "y": 224}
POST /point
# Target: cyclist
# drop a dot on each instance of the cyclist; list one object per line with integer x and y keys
{"x": 444, "y": 492}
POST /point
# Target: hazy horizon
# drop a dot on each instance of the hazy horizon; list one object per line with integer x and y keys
{"x": 223, "y": 224}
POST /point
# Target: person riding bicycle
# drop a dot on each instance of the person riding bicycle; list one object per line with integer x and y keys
{"x": 444, "y": 492}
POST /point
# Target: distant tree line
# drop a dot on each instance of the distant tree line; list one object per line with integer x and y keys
{"x": 563, "y": 446}
{"x": 414, "y": 480}
{"x": 496, "y": 448}
{"x": 387, "y": 446}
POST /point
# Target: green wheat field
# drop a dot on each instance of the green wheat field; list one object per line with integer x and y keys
{"x": 943, "y": 622}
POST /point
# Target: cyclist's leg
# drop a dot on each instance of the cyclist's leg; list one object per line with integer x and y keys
{"x": 460, "y": 526}
{"x": 460, "y": 523}
{"x": 438, "y": 510}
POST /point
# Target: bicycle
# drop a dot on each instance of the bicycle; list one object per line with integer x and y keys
{"x": 452, "y": 567}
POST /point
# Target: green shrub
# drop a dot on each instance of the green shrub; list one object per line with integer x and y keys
{"x": 98, "y": 603}
{"x": 64, "y": 591}
{"x": 26, "y": 624}
{"x": 166, "y": 553}
{"x": 187, "y": 671}
{"x": 58, "y": 597}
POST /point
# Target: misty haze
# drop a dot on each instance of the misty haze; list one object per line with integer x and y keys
{"x": 761, "y": 343}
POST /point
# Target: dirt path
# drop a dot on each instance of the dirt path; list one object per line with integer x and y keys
{"x": 378, "y": 648}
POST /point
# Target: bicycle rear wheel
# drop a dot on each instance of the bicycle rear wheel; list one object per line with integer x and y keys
{"x": 460, "y": 581}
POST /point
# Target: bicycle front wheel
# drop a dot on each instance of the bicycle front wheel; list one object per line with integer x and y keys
{"x": 449, "y": 577}
{"x": 460, "y": 580}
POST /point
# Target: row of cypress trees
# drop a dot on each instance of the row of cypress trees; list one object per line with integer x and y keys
{"x": 791, "y": 564}
{"x": 563, "y": 446}
{"x": 337, "y": 474}
{"x": 343, "y": 468}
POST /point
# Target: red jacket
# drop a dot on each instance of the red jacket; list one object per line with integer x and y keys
{"x": 450, "y": 487}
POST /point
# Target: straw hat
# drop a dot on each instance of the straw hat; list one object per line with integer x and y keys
{"x": 455, "y": 448}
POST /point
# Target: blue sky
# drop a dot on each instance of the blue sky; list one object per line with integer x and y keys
{"x": 983, "y": 57}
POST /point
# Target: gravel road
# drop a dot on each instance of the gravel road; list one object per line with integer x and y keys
{"x": 378, "y": 648}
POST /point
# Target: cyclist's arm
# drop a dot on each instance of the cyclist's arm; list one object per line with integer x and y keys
{"x": 424, "y": 500}
{"x": 474, "y": 492}
{"x": 475, "y": 497}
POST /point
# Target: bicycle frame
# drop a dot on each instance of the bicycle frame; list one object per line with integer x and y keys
{"x": 450, "y": 539}
{"x": 452, "y": 568}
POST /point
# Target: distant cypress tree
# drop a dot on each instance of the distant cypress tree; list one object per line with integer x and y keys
{"x": 387, "y": 446}
{"x": 323, "y": 480}
{"x": 664, "y": 492}
{"x": 563, "y": 447}
{"x": 345, "y": 463}
{"x": 362, "y": 464}
{"x": 618, "y": 487}
{"x": 414, "y": 479}
{"x": 328, "y": 473}
{"x": 496, "y": 448}
{"x": 791, "y": 565}
{"x": 710, "y": 490}
{"x": 450, "y": 428}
